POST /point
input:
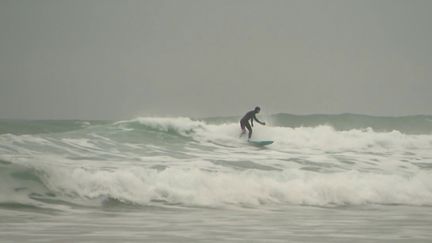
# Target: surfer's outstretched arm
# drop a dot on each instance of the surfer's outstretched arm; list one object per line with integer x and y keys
{"x": 260, "y": 122}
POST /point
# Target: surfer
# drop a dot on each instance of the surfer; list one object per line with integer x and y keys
{"x": 244, "y": 122}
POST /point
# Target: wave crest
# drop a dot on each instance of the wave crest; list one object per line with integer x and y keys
{"x": 180, "y": 125}
{"x": 195, "y": 187}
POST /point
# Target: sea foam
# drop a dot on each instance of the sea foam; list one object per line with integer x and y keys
{"x": 195, "y": 187}
{"x": 153, "y": 160}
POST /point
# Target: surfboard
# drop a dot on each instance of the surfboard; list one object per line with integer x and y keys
{"x": 260, "y": 143}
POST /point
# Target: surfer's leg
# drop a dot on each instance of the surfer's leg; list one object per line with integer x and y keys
{"x": 248, "y": 126}
{"x": 242, "y": 126}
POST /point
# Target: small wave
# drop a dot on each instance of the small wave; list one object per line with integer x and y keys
{"x": 323, "y": 137}
{"x": 419, "y": 124}
{"x": 252, "y": 188}
{"x": 181, "y": 125}
{"x": 21, "y": 188}
{"x": 19, "y": 127}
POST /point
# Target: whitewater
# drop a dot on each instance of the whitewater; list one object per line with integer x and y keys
{"x": 326, "y": 178}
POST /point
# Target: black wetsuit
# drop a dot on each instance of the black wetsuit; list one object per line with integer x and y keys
{"x": 244, "y": 122}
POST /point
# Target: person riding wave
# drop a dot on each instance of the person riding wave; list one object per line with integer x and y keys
{"x": 244, "y": 122}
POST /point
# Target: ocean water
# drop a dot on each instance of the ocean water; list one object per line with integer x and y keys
{"x": 326, "y": 178}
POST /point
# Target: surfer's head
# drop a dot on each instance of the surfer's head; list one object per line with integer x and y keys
{"x": 257, "y": 109}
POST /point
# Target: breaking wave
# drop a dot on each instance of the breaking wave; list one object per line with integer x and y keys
{"x": 182, "y": 161}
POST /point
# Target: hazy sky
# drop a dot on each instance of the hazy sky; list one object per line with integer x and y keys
{"x": 103, "y": 59}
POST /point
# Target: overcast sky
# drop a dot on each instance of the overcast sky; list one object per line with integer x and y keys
{"x": 118, "y": 59}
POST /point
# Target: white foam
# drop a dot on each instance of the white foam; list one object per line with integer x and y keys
{"x": 364, "y": 166}
{"x": 183, "y": 125}
{"x": 80, "y": 143}
{"x": 323, "y": 138}
{"x": 247, "y": 188}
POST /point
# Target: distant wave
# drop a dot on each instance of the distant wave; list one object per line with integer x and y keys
{"x": 418, "y": 124}
{"x": 43, "y": 126}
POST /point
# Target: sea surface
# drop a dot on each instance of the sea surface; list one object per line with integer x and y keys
{"x": 326, "y": 178}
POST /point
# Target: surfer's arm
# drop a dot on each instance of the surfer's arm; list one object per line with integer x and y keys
{"x": 252, "y": 121}
{"x": 260, "y": 122}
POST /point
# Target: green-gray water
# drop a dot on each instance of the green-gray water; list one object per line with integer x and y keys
{"x": 326, "y": 178}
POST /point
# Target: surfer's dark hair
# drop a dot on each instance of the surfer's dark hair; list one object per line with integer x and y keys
{"x": 257, "y": 108}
